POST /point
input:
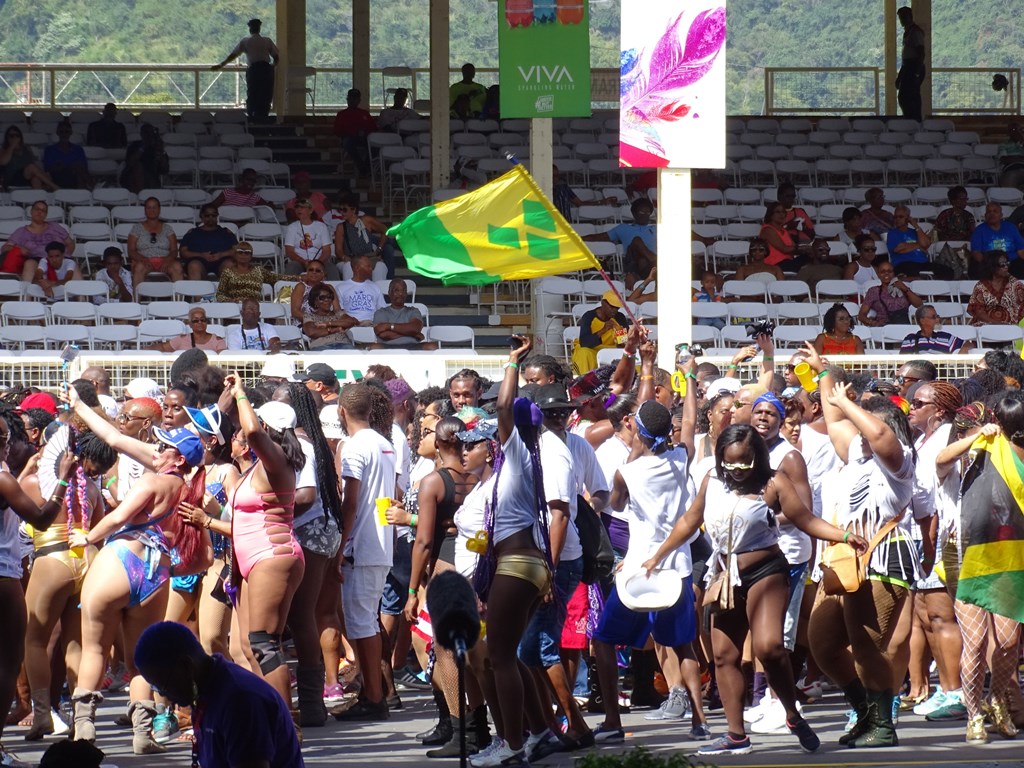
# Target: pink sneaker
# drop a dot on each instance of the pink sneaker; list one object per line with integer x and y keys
{"x": 333, "y": 694}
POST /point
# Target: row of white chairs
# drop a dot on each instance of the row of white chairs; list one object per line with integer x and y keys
{"x": 112, "y": 195}
{"x": 820, "y": 196}
{"x": 124, "y": 115}
{"x": 835, "y": 171}
{"x": 841, "y": 124}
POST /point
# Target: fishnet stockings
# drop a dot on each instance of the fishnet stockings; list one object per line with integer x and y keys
{"x": 977, "y": 625}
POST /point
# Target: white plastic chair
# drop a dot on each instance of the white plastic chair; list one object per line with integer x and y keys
{"x": 452, "y": 335}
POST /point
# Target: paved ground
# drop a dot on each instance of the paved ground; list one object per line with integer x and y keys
{"x": 391, "y": 743}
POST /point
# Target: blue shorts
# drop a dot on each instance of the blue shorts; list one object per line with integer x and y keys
{"x": 671, "y": 627}
{"x": 542, "y": 639}
{"x": 396, "y": 588}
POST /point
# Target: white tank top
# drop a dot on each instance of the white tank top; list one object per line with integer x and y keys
{"x": 864, "y": 276}
{"x": 658, "y": 497}
{"x": 794, "y": 543}
{"x": 751, "y": 522}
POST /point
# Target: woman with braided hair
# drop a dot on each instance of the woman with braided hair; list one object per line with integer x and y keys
{"x": 58, "y": 571}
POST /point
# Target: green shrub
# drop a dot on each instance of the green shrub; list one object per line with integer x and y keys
{"x": 640, "y": 757}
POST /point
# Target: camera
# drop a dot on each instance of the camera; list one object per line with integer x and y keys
{"x": 760, "y": 328}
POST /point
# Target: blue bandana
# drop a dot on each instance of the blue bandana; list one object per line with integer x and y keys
{"x": 645, "y": 433}
{"x": 771, "y": 399}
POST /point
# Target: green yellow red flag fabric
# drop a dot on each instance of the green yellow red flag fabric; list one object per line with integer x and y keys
{"x": 505, "y": 230}
{"x": 992, "y": 530}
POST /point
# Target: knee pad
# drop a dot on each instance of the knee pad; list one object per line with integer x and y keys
{"x": 267, "y": 650}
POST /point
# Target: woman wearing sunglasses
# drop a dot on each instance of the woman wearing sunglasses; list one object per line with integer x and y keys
{"x": 738, "y": 505}
{"x": 153, "y": 246}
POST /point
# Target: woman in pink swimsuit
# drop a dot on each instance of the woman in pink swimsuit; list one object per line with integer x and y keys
{"x": 267, "y": 555}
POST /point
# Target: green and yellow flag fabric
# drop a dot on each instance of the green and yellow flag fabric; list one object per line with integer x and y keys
{"x": 505, "y": 230}
{"x": 992, "y": 530}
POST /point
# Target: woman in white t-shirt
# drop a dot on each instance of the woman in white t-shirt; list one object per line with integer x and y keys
{"x": 306, "y": 240}
{"x": 861, "y": 639}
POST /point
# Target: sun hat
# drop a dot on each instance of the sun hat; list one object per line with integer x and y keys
{"x": 640, "y": 592}
{"x": 207, "y": 420}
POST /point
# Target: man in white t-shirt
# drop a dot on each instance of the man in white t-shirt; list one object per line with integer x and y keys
{"x": 251, "y": 333}
{"x": 360, "y": 297}
{"x": 308, "y": 240}
{"x": 368, "y": 473}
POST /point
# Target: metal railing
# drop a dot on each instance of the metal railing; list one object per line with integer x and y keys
{"x": 171, "y": 87}
{"x": 861, "y": 91}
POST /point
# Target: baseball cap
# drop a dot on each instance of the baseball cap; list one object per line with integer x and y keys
{"x": 143, "y": 388}
{"x": 39, "y": 400}
{"x": 301, "y": 176}
{"x": 723, "y": 385}
{"x": 612, "y": 298}
{"x": 278, "y": 367}
{"x": 331, "y": 423}
{"x": 485, "y": 429}
{"x": 186, "y": 441}
{"x": 207, "y": 420}
{"x": 279, "y": 416}
{"x": 321, "y": 372}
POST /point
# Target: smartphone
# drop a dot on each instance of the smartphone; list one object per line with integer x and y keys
{"x": 514, "y": 343}
{"x": 69, "y": 353}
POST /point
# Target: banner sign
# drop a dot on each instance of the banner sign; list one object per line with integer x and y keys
{"x": 672, "y": 107}
{"x": 544, "y": 58}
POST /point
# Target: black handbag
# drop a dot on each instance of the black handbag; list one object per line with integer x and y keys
{"x": 598, "y": 556}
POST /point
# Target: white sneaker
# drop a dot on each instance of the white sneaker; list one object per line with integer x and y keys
{"x": 813, "y": 690}
{"x": 774, "y": 720}
{"x": 497, "y": 742}
{"x": 539, "y": 741}
{"x": 60, "y": 727}
{"x": 931, "y": 704}
{"x": 756, "y": 712}
{"x": 503, "y": 755}
{"x": 675, "y": 707}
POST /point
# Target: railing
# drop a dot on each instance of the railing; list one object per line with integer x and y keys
{"x": 172, "y": 87}
{"x": 861, "y": 91}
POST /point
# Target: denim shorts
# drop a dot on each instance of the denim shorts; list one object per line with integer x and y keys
{"x": 541, "y": 641}
{"x": 396, "y": 588}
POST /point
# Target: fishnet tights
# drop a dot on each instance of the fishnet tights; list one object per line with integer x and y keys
{"x": 977, "y": 625}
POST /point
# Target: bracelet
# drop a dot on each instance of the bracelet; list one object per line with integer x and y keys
{"x": 690, "y": 375}
{"x": 63, "y": 482}
{"x": 846, "y": 537}
{"x": 627, "y": 353}
{"x": 58, "y": 500}
{"x": 412, "y": 591}
{"x": 645, "y": 378}
{"x": 241, "y": 397}
{"x": 733, "y": 366}
{"x": 110, "y": 482}
{"x": 510, "y": 364}
{"x": 208, "y": 522}
{"x": 821, "y": 375}
{"x": 768, "y": 357}
{"x": 413, "y": 519}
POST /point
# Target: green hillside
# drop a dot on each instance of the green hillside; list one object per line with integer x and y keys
{"x": 804, "y": 33}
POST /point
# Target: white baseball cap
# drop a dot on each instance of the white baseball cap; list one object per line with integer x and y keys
{"x": 143, "y": 388}
{"x": 722, "y": 385}
{"x": 330, "y": 420}
{"x": 278, "y": 367}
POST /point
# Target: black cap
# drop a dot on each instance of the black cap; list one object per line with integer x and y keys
{"x": 318, "y": 372}
{"x": 553, "y": 397}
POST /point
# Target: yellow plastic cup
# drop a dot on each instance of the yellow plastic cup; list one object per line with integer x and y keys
{"x": 803, "y": 372}
{"x": 383, "y": 504}
{"x": 78, "y": 552}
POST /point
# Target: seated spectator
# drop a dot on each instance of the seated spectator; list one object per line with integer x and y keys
{"x": 475, "y": 93}
{"x": 252, "y": 333}
{"x": 756, "y": 264}
{"x": 199, "y": 338}
{"x": 822, "y": 265}
{"x": 107, "y": 132}
{"x": 26, "y": 246}
{"x": 18, "y": 165}
{"x": 955, "y": 222}
{"x": 352, "y": 125}
{"x": 300, "y": 292}
{"x": 709, "y": 292}
{"x": 334, "y": 215}
{"x": 204, "y": 248}
{"x": 853, "y": 225}
{"x": 360, "y": 235}
{"x": 390, "y": 117}
{"x": 253, "y": 724}
{"x": 360, "y": 297}
{"x": 399, "y": 325}
{"x": 145, "y": 161}
{"x": 243, "y": 193}
{"x": 782, "y": 248}
{"x": 327, "y": 328}
{"x": 862, "y": 269}
{"x": 114, "y": 275}
{"x": 602, "y": 328}
{"x": 875, "y": 218}
{"x": 645, "y": 290}
{"x": 492, "y": 104}
{"x": 797, "y": 221}
{"x": 66, "y": 162}
{"x": 306, "y": 240}
{"x": 1011, "y": 158}
{"x": 240, "y": 279}
{"x": 929, "y": 340}
{"x": 838, "y": 337}
{"x": 639, "y": 238}
{"x": 55, "y": 269}
{"x": 888, "y": 302}
{"x": 994, "y": 234}
{"x": 301, "y": 183}
{"x": 153, "y": 246}
{"x": 998, "y": 297}
{"x": 908, "y": 244}
{"x": 565, "y": 199}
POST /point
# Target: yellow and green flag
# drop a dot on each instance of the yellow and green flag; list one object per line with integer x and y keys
{"x": 505, "y": 230}
{"x": 992, "y": 530}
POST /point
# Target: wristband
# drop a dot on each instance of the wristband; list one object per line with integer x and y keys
{"x": 821, "y": 375}
{"x": 645, "y": 378}
{"x": 414, "y": 519}
{"x": 110, "y": 482}
{"x": 846, "y": 537}
{"x": 768, "y": 357}
{"x": 733, "y": 366}
{"x": 412, "y": 591}
{"x": 627, "y": 353}
{"x": 241, "y": 397}
{"x": 690, "y": 375}
{"x": 510, "y": 364}
{"x": 63, "y": 482}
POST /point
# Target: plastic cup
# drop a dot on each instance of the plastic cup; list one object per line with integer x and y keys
{"x": 78, "y": 552}
{"x": 803, "y": 372}
{"x": 383, "y": 504}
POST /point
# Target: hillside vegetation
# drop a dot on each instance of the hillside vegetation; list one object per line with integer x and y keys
{"x": 803, "y": 33}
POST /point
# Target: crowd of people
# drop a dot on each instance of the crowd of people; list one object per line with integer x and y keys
{"x": 139, "y": 525}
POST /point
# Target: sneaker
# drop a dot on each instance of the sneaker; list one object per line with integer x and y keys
{"x": 364, "y": 710}
{"x": 604, "y": 735}
{"x": 700, "y": 732}
{"x": 675, "y": 707}
{"x": 931, "y": 704}
{"x": 406, "y": 680}
{"x": 952, "y": 709}
{"x": 895, "y": 710}
{"x": 165, "y": 725}
{"x": 10, "y": 760}
{"x": 540, "y": 745}
{"x": 492, "y": 747}
{"x": 394, "y": 702}
{"x": 333, "y": 694}
{"x": 756, "y": 712}
{"x": 800, "y": 728}
{"x": 813, "y": 690}
{"x": 726, "y": 745}
{"x": 774, "y": 720}
{"x": 502, "y": 755}
{"x": 851, "y": 720}
{"x": 60, "y": 726}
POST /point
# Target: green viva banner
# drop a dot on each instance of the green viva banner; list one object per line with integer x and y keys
{"x": 544, "y": 58}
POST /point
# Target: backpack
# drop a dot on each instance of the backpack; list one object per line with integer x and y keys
{"x": 598, "y": 556}
{"x": 956, "y": 260}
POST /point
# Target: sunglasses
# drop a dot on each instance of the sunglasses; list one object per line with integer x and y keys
{"x": 243, "y": 250}
{"x": 124, "y": 418}
{"x": 915, "y": 403}
{"x": 164, "y": 447}
{"x": 195, "y": 320}
{"x": 736, "y": 467}
{"x": 901, "y": 379}
{"x": 737, "y": 405}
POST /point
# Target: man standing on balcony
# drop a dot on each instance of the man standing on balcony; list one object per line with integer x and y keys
{"x": 261, "y": 54}
{"x": 912, "y": 71}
